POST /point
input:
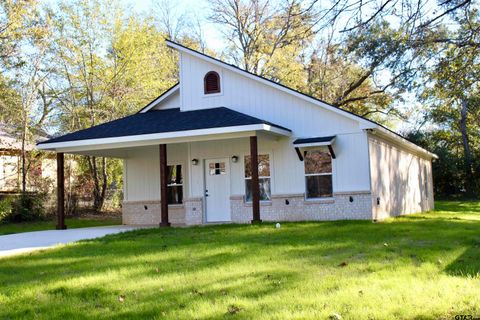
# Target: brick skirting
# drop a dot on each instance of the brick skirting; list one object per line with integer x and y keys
{"x": 296, "y": 208}
{"x": 148, "y": 212}
{"x": 286, "y": 207}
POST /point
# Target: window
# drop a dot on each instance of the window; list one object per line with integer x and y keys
{"x": 216, "y": 168}
{"x": 263, "y": 177}
{"x": 318, "y": 174}
{"x": 174, "y": 184}
{"x": 211, "y": 83}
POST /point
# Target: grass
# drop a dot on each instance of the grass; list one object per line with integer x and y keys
{"x": 50, "y": 224}
{"x": 424, "y": 266}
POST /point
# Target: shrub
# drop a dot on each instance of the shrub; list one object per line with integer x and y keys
{"x": 5, "y": 210}
{"x": 28, "y": 207}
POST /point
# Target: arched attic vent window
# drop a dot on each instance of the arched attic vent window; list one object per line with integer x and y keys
{"x": 211, "y": 82}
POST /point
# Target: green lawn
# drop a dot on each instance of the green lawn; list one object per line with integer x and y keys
{"x": 50, "y": 225}
{"x": 418, "y": 267}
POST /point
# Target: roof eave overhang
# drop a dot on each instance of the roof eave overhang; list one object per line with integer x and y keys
{"x": 382, "y": 132}
{"x": 164, "y": 138}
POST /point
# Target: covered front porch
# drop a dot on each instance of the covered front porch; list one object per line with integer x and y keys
{"x": 200, "y": 171}
{"x": 206, "y": 182}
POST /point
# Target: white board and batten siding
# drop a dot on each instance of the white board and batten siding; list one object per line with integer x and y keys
{"x": 171, "y": 102}
{"x": 304, "y": 119}
{"x": 401, "y": 180}
{"x": 259, "y": 100}
{"x": 142, "y": 171}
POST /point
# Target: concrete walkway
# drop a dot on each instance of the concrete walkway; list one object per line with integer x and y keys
{"x": 30, "y": 241}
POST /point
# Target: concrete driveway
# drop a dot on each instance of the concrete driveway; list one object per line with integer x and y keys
{"x": 30, "y": 241}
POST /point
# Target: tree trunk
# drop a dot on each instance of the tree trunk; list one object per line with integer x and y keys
{"x": 99, "y": 182}
{"x": 469, "y": 178}
{"x": 23, "y": 155}
{"x": 103, "y": 190}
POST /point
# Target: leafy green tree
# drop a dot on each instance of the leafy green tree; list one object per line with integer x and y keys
{"x": 107, "y": 65}
{"x": 453, "y": 94}
{"x": 330, "y": 77}
{"x": 25, "y": 105}
{"x": 18, "y": 20}
{"x": 274, "y": 40}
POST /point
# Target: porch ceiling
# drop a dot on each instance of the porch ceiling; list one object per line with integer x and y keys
{"x": 160, "y": 127}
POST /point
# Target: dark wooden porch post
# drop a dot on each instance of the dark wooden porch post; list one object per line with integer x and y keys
{"x": 60, "y": 192}
{"x": 163, "y": 186}
{"x": 255, "y": 182}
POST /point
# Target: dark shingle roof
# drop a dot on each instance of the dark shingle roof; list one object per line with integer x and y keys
{"x": 314, "y": 140}
{"x": 161, "y": 121}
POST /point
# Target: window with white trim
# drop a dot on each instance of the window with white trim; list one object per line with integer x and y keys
{"x": 318, "y": 174}
{"x": 263, "y": 177}
{"x": 174, "y": 184}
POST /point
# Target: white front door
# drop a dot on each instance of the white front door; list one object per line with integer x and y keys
{"x": 217, "y": 190}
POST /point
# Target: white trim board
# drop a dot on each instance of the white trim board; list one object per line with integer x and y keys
{"x": 392, "y": 138}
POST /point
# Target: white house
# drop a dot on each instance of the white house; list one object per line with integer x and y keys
{"x": 196, "y": 147}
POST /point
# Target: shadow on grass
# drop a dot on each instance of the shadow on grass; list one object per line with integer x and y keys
{"x": 467, "y": 264}
{"x": 458, "y": 206}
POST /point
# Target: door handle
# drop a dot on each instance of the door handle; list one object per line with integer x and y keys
{"x": 206, "y": 193}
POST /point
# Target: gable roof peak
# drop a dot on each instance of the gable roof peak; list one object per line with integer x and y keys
{"x": 366, "y": 123}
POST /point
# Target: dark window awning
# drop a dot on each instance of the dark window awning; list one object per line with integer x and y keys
{"x": 314, "y": 142}
{"x": 303, "y": 143}
{"x": 163, "y": 126}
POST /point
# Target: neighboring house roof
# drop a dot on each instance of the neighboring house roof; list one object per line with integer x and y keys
{"x": 161, "y": 121}
{"x": 8, "y": 141}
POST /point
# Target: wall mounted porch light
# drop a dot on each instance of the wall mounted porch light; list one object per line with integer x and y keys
{"x": 234, "y": 159}
{"x": 194, "y": 162}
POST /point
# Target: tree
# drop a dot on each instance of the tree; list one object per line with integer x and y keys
{"x": 453, "y": 93}
{"x": 17, "y": 21}
{"x": 392, "y": 41}
{"x": 260, "y": 32}
{"x": 108, "y": 65}
{"x": 330, "y": 77}
{"x": 24, "y": 54}
{"x": 275, "y": 42}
